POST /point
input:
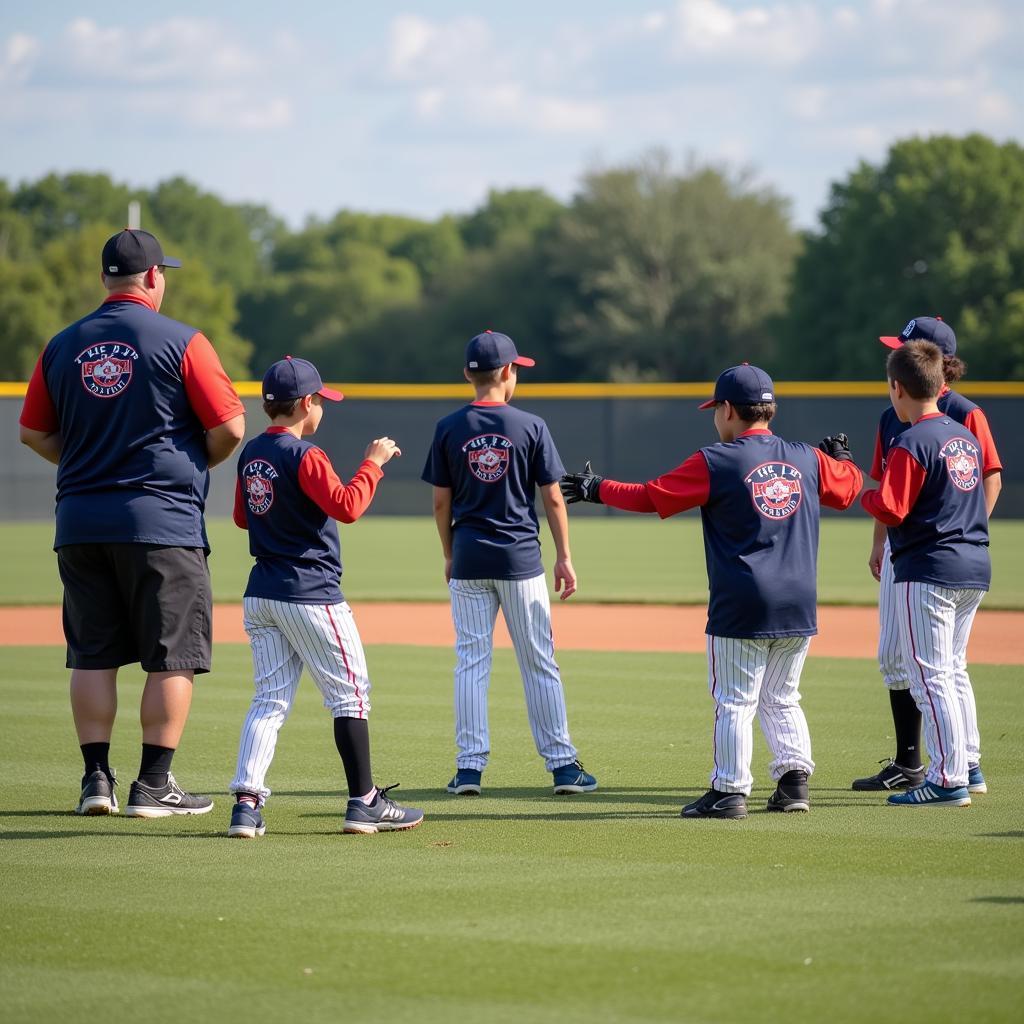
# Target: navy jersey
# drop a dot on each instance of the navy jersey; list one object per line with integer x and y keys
{"x": 890, "y": 426}
{"x": 493, "y": 457}
{"x": 295, "y": 543}
{"x": 761, "y": 537}
{"x": 126, "y": 386}
{"x": 942, "y": 537}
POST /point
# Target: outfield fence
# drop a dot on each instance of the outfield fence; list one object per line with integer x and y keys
{"x": 629, "y": 431}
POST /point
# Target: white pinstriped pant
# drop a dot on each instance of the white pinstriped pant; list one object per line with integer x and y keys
{"x": 762, "y": 676}
{"x": 284, "y": 637}
{"x": 890, "y": 647}
{"x": 527, "y": 610}
{"x": 935, "y": 625}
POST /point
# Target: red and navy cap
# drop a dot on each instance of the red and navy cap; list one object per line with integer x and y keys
{"x": 132, "y": 251}
{"x": 925, "y": 328}
{"x": 292, "y": 378}
{"x": 490, "y": 350}
{"x": 742, "y": 385}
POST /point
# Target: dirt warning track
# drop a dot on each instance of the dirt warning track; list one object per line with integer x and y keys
{"x": 997, "y": 639}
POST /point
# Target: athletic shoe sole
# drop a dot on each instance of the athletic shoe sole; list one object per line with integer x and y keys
{"x": 963, "y": 801}
{"x": 466, "y": 789}
{"x": 366, "y": 828}
{"x": 978, "y": 787}
{"x": 566, "y": 790}
{"x": 795, "y": 805}
{"x": 96, "y": 805}
{"x": 245, "y": 831}
{"x": 163, "y": 812}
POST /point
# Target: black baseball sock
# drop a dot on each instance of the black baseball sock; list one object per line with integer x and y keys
{"x": 907, "y": 719}
{"x": 156, "y": 763}
{"x": 96, "y": 757}
{"x": 352, "y": 736}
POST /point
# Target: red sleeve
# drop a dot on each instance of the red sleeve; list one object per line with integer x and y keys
{"x": 628, "y": 497}
{"x": 876, "y": 461}
{"x": 210, "y": 391}
{"x": 901, "y": 484}
{"x": 977, "y": 424}
{"x": 320, "y": 483}
{"x": 238, "y": 514}
{"x": 38, "y": 412}
{"x": 686, "y": 486}
{"x": 839, "y": 483}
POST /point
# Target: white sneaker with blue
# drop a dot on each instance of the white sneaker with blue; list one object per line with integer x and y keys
{"x": 571, "y": 778}
{"x": 465, "y": 782}
{"x": 931, "y": 795}
{"x": 975, "y": 780}
{"x": 246, "y": 821}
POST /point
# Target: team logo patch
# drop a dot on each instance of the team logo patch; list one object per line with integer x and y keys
{"x": 258, "y": 484}
{"x": 963, "y": 463}
{"x": 107, "y": 368}
{"x": 775, "y": 488}
{"x": 488, "y": 457}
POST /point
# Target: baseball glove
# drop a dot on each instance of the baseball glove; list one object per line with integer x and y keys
{"x": 585, "y": 486}
{"x": 838, "y": 447}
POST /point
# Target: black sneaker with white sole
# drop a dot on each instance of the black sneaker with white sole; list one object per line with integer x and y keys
{"x": 98, "y": 793}
{"x": 383, "y": 815}
{"x": 790, "y": 793}
{"x": 892, "y": 776}
{"x": 149, "y": 802}
{"x": 714, "y": 804}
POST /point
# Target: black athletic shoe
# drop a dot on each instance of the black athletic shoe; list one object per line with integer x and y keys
{"x": 714, "y": 804}
{"x": 98, "y": 794}
{"x": 146, "y": 802}
{"x": 383, "y": 815}
{"x": 790, "y": 793}
{"x": 892, "y": 776}
{"x": 246, "y": 821}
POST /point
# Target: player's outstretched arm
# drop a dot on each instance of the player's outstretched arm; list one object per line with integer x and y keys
{"x": 558, "y": 523}
{"x": 585, "y": 486}
{"x": 443, "y": 521}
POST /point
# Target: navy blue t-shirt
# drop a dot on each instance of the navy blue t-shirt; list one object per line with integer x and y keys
{"x": 944, "y": 538}
{"x": 761, "y": 537}
{"x": 295, "y": 543}
{"x": 890, "y": 426}
{"x": 493, "y": 457}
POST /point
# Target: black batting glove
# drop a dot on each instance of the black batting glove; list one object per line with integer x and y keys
{"x": 585, "y": 486}
{"x": 838, "y": 447}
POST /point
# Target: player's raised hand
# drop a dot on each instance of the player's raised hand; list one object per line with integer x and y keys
{"x": 837, "y": 446}
{"x": 585, "y": 486}
{"x": 382, "y": 450}
{"x": 565, "y": 578}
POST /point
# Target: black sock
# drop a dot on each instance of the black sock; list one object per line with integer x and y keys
{"x": 352, "y": 736}
{"x": 907, "y": 719}
{"x": 156, "y": 763}
{"x": 96, "y": 757}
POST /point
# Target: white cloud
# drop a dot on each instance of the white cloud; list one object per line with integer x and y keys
{"x": 17, "y": 57}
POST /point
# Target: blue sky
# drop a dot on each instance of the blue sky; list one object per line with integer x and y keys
{"x": 421, "y": 107}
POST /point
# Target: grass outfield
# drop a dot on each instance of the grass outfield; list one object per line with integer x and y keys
{"x": 515, "y": 907}
{"x": 618, "y": 559}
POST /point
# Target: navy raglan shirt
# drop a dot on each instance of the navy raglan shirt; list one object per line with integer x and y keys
{"x": 493, "y": 457}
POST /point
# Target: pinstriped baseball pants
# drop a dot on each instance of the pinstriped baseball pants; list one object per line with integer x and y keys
{"x": 935, "y": 625}
{"x": 285, "y": 636}
{"x": 890, "y": 647}
{"x": 527, "y": 610}
{"x": 757, "y": 676}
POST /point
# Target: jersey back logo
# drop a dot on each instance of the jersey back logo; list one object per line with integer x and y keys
{"x": 775, "y": 488}
{"x": 107, "y": 368}
{"x": 962, "y": 463}
{"x": 258, "y": 485}
{"x": 488, "y": 456}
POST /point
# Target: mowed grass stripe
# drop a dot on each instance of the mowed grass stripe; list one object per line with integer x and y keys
{"x": 618, "y": 559}
{"x": 518, "y": 905}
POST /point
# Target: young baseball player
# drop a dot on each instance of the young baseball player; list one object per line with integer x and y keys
{"x": 759, "y": 498}
{"x": 932, "y": 500}
{"x": 287, "y": 496}
{"x": 905, "y": 769}
{"x": 486, "y": 462}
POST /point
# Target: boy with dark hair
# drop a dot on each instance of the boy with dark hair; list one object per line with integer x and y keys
{"x": 486, "y": 462}
{"x": 287, "y": 496}
{"x": 932, "y": 500}
{"x": 904, "y": 769}
{"x": 759, "y": 498}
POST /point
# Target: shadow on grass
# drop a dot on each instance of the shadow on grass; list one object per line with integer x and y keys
{"x": 1001, "y": 835}
{"x": 998, "y": 899}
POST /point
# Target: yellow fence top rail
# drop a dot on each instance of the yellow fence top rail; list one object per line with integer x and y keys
{"x": 694, "y": 390}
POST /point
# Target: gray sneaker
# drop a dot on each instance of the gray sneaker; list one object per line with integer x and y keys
{"x": 146, "y": 802}
{"x": 383, "y": 815}
{"x": 892, "y": 776}
{"x": 98, "y": 794}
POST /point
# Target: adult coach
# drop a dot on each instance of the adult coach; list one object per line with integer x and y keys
{"x": 133, "y": 408}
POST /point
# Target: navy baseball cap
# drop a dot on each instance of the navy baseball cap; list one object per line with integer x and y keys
{"x": 742, "y": 385}
{"x": 490, "y": 350}
{"x": 132, "y": 251}
{"x": 292, "y": 378}
{"x": 925, "y": 328}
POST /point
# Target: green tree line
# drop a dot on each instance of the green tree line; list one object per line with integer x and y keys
{"x": 653, "y": 270}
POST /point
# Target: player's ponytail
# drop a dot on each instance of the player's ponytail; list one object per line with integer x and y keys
{"x": 953, "y": 369}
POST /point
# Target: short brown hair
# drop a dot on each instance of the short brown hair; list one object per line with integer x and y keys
{"x": 917, "y": 365}
{"x": 285, "y": 408}
{"x": 484, "y": 378}
{"x": 756, "y": 412}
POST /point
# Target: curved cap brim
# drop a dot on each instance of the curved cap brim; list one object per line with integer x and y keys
{"x": 170, "y": 261}
{"x": 708, "y": 404}
{"x": 890, "y": 342}
{"x": 330, "y": 394}
{"x": 524, "y": 361}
